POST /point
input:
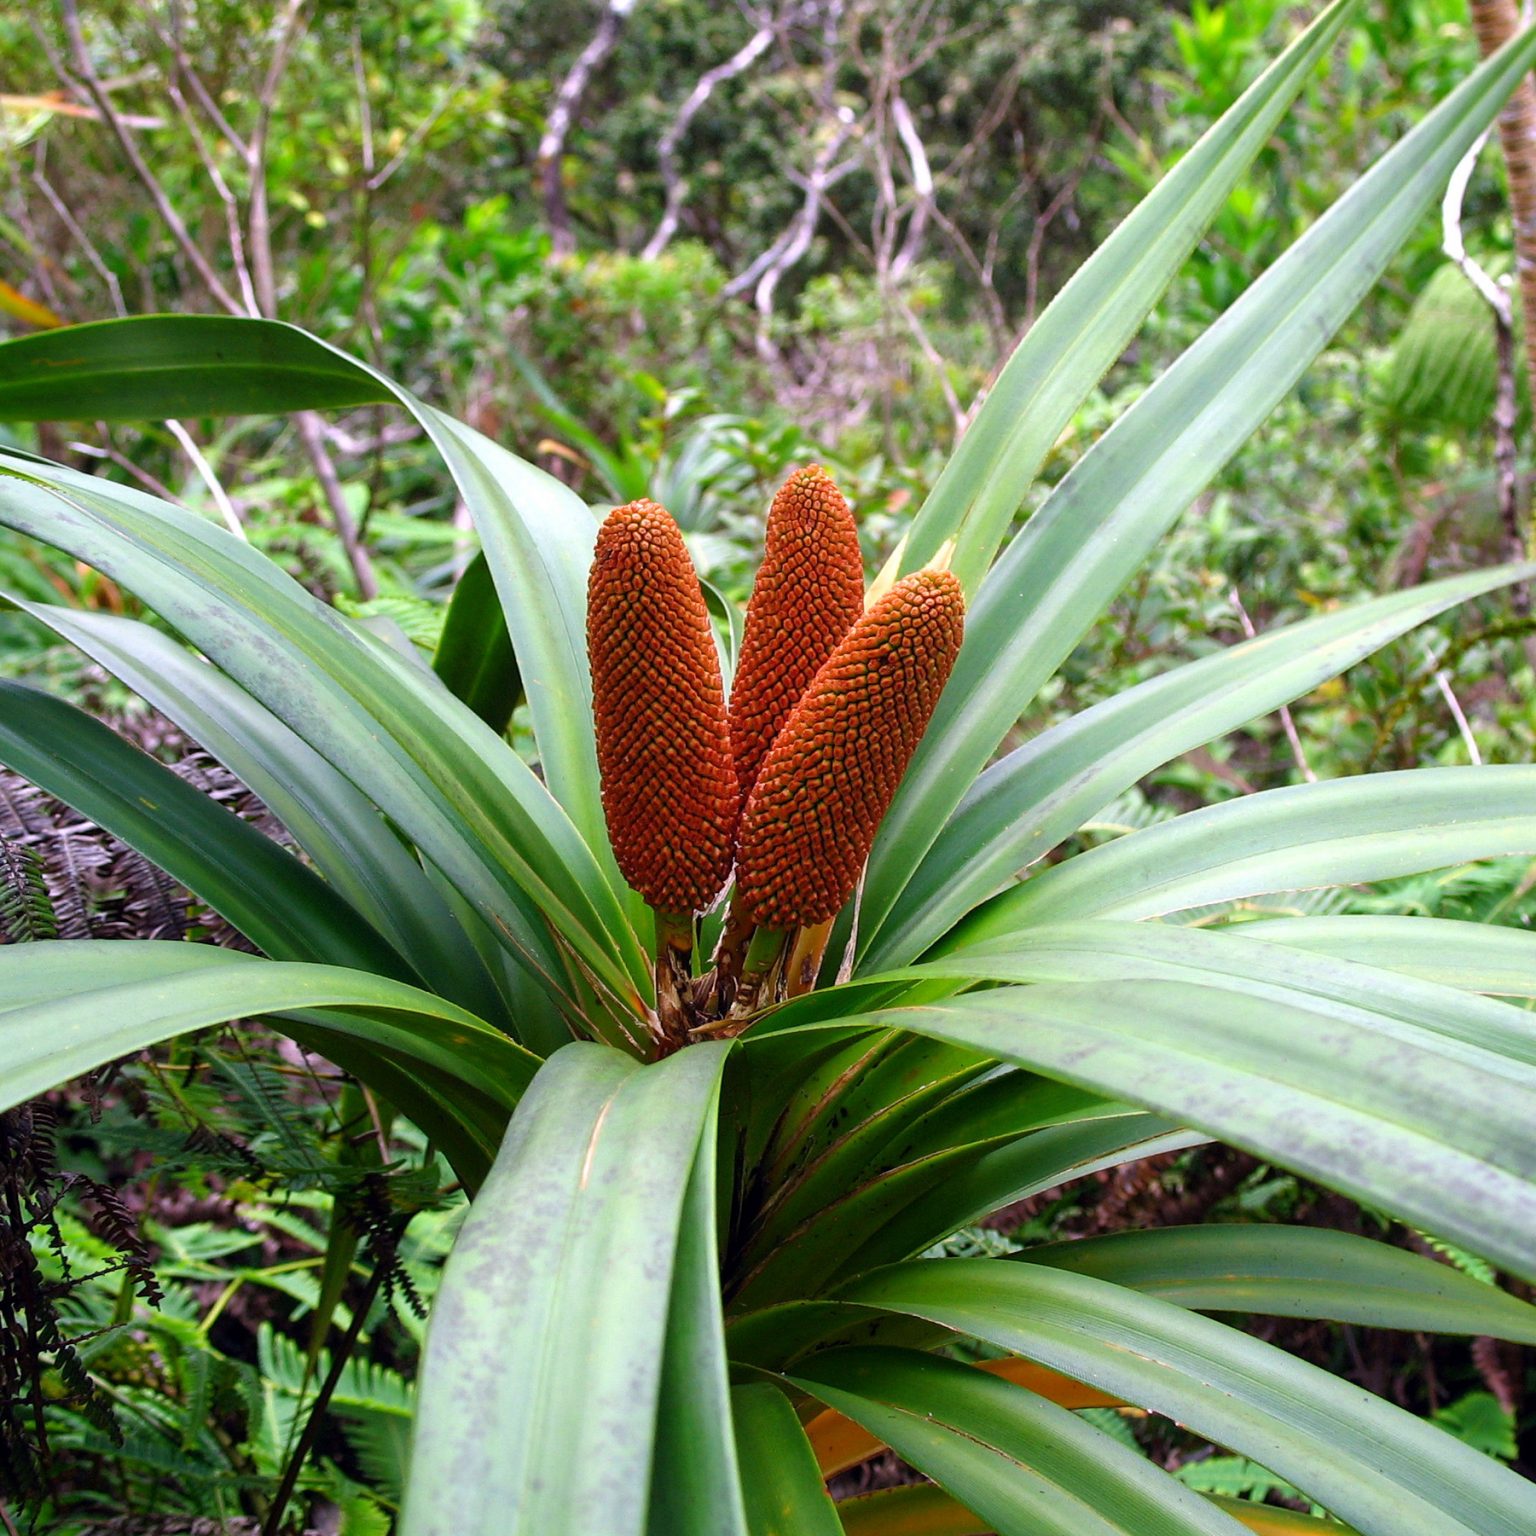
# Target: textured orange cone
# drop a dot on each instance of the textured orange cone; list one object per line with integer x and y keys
{"x": 829, "y": 778}
{"x": 663, "y": 740}
{"x": 808, "y": 592}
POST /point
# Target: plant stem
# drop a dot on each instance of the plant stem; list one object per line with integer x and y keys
{"x": 311, "y": 1433}
{"x": 731, "y": 952}
{"x": 760, "y": 974}
{"x": 675, "y": 1010}
{"x": 805, "y": 957}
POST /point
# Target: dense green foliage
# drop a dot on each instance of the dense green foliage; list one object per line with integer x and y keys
{"x": 294, "y": 1218}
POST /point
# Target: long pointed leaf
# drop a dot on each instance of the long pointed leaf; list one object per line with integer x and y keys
{"x": 277, "y": 902}
{"x": 780, "y": 1477}
{"x": 1086, "y": 327}
{"x": 696, "y": 1476}
{"x": 1374, "y": 1465}
{"x": 535, "y": 533}
{"x": 471, "y": 805}
{"x": 68, "y": 1007}
{"x": 1031, "y": 1468}
{"x": 343, "y": 835}
{"x": 1491, "y": 1035}
{"x": 543, "y": 1370}
{"x": 1277, "y": 1271}
{"x": 1098, "y": 525}
{"x": 1477, "y": 956}
{"x": 1335, "y": 832}
{"x": 1388, "y": 1118}
{"x": 1022, "y": 806}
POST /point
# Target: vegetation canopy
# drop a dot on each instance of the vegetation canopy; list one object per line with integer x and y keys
{"x": 712, "y": 1136}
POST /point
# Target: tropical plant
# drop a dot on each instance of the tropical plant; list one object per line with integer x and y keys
{"x": 688, "y": 1288}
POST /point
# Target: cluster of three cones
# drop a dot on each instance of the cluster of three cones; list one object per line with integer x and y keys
{"x": 789, "y": 783}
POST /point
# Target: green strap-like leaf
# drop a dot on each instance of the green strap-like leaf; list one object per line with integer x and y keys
{"x": 1390, "y": 1118}
{"x": 696, "y": 1476}
{"x": 536, "y": 534}
{"x": 1029, "y": 1467}
{"x": 780, "y": 1479}
{"x": 1086, "y": 327}
{"x": 474, "y": 655}
{"x": 1491, "y": 1035}
{"x": 68, "y": 1007}
{"x": 1336, "y": 832}
{"x": 537, "y": 1413}
{"x": 278, "y": 903}
{"x": 1477, "y": 956}
{"x": 1383, "y": 1470}
{"x": 1022, "y": 806}
{"x": 151, "y": 367}
{"x": 339, "y": 829}
{"x": 1100, "y": 523}
{"x": 923, "y": 1510}
{"x": 901, "y": 1211}
{"x": 459, "y": 793}
{"x": 978, "y": 1180}
{"x": 1278, "y": 1271}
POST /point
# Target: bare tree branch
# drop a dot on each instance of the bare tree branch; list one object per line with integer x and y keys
{"x": 204, "y": 97}
{"x": 259, "y": 216}
{"x": 312, "y": 435}
{"x": 1292, "y": 735}
{"x": 922, "y": 187}
{"x": 206, "y": 475}
{"x": 225, "y": 196}
{"x": 90, "y": 82}
{"x": 1505, "y": 402}
{"x": 667, "y": 146}
{"x": 796, "y": 240}
{"x": 562, "y": 114}
{"x": 83, "y": 240}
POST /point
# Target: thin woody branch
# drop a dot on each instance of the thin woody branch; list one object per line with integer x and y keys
{"x": 90, "y": 82}
{"x": 562, "y": 115}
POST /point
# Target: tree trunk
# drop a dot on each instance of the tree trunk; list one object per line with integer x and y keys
{"x": 1496, "y": 21}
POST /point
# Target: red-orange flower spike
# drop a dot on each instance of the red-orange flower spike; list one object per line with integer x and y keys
{"x": 663, "y": 739}
{"x": 830, "y": 777}
{"x": 808, "y": 592}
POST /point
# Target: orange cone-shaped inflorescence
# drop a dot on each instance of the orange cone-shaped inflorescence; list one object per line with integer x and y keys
{"x": 829, "y": 778}
{"x": 808, "y": 592}
{"x": 663, "y": 739}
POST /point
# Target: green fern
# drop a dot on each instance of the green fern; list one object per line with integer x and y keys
{"x": 1479, "y": 1420}
{"x": 1444, "y": 370}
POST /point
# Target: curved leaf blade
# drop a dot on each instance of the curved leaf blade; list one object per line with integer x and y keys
{"x": 543, "y": 1369}
{"x": 1029, "y": 1467}
{"x": 780, "y": 1478}
{"x": 67, "y": 1007}
{"x": 1491, "y": 1035}
{"x": 1277, "y": 1271}
{"x": 1372, "y": 1464}
{"x": 1024, "y": 805}
{"x": 1334, "y": 832}
{"x": 467, "y": 801}
{"x": 1098, "y": 525}
{"x": 474, "y": 654}
{"x": 1477, "y": 956}
{"x": 1088, "y": 324}
{"x": 278, "y": 903}
{"x": 1389, "y": 1119}
{"x": 338, "y": 827}
{"x": 535, "y": 533}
